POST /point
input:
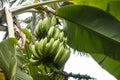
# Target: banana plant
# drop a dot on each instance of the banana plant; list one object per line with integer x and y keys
{"x": 95, "y": 27}
{"x": 90, "y": 26}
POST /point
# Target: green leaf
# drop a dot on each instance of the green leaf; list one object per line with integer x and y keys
{"x": 20, "y": 75}
{"x": 91, "y": 30}
{"x": 12, "y": 67}
{"x": 109, "y": 64}
{"x": 95, "y": 3}
{"x": 7, "y": 51}
{"x": 114, "y": 8}
{"x": 111, "y": 6}
{"x": 9, "y": 63}
{"x": 28, "y": 34}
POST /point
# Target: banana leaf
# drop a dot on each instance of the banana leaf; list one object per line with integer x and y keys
{"x": 114, "y": 8}
{"x": 92, "y": 30}
{"x": 96, "y": 3}
{"x": 111, "y": 6}
{"x": 109, "y": 64}
{"x": 9, "y": 61}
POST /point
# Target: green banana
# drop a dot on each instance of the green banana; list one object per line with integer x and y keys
{"x": 51, "y": 44}
{"x": 56, "y": 33}
{"x": 43, "y": 28}
{"x": 65, "y": 40}
{"x": 55, "y": 47}
{"x": 37, "y": 50}
{"x": 34, "y": 62}
{"x": 51, "y": 31}
{"x": 45, "y": 41}
{"x": 41, "y": 46}
{"x": 33, "y": 57}
{"x": 37, "y": 30}
{"x": 53, "y": 21}
{"x": 64, "y": 58}
{"x": 61, "y": 36}
{"x": 47, "y": 23}
{"x": 32, "y": 47}
{"x": 36, "y": 46}
{"x": 48, "y": 46}
{"x": 59, "y": 54}
{"x": 40, "y": 23}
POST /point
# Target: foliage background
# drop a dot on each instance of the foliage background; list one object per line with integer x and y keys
{"x": 91, "y": 27}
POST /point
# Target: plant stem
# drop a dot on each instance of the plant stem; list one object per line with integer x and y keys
{"x": 21, "y": 8}
{"x": 10, "y": 23}
{"x": 78, "y": 76}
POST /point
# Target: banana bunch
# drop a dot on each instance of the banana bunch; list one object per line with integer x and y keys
{"x": 42, "y": 27}
{"x": 50, "y": 48}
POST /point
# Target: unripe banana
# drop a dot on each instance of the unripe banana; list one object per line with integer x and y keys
{"x": 61, "y": 36}
{"x": 44, "y": 29}
{"x": 37, "y": 50}
{"x": 64, "y": 58}
{"x": 36, "y": 46}
{"x": 37, "y": 30}
{"x": 59, "y": 54}
{"x": 48, "y": 46}
{"x": 34, "y": 52}
{"x": 40, "y": 23}
{"x": 53, "y": 21}
{"x": 56, "y": 33}
{"x": 47, "y": 23}
{"x": 41, "y": 46}
{"x": 33, "y": 57}
{"x": 51, "y": 31}
{"x": 51, "y": 44}
{"x": 45, "y": 41}
{"x": 65, "y": 40}
{"x": 34, "y": 62}
{"x": 55, "y": 47}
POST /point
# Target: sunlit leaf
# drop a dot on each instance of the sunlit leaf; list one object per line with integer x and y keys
{"x": 93, "y": 31}
{"x": 96, "y": 3}
{"x": 109, "y": 64}
{"x": 111, "y": 6}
